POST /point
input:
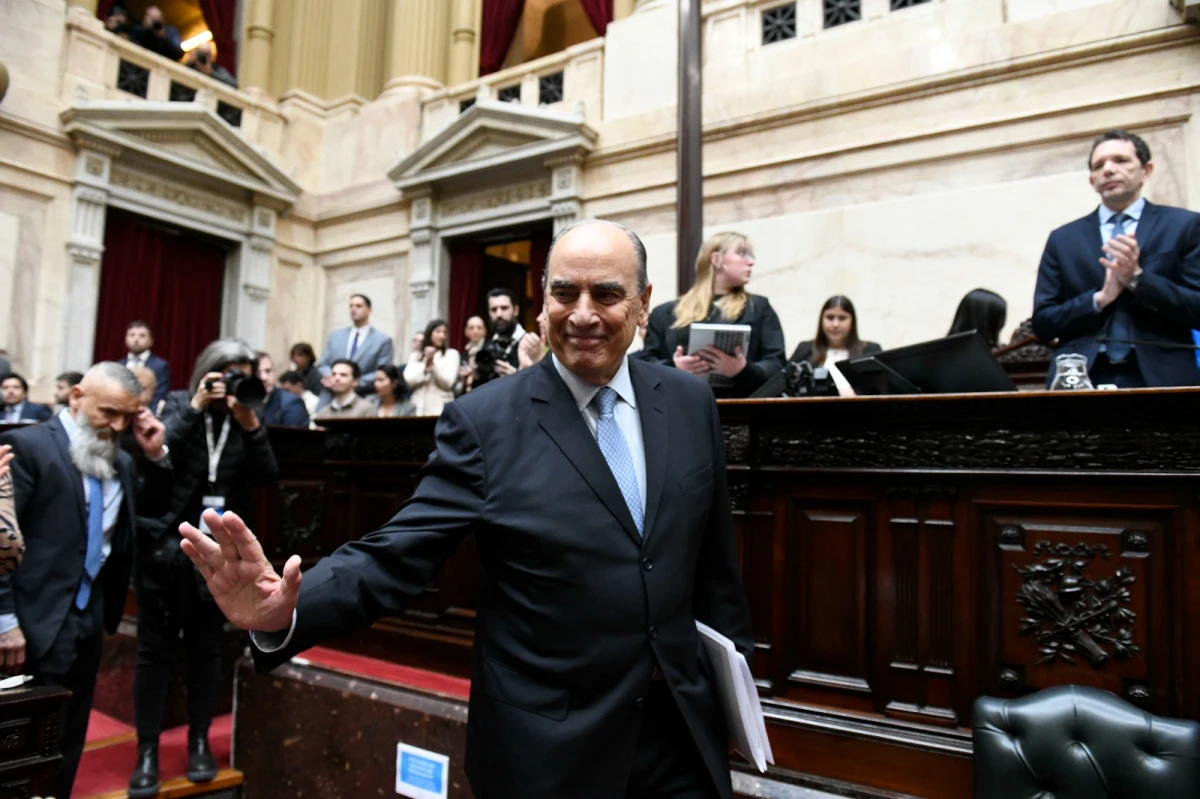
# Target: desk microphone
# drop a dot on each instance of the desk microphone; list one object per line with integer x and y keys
{"x": 1166, "y": 345}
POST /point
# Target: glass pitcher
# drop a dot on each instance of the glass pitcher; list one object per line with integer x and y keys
{"x": 1070, "y": 373}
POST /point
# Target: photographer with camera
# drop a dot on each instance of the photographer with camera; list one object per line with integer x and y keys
{"x": 202, "y": 60}
{"x": 156, "y": 36}
{"x": 498, "y": 357}
{"x": 218, "y": 447}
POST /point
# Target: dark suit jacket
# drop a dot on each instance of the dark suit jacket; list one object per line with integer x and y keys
{"x": 53, "y": 517}
{"x": 804, "y": 351}
{"x": 162, "y": 374}
{"x": 1165, "y": 307}
{"x": 763, "y": 361}
{"x": 34, "y": 412}
{"x": 575, "y": 608}
{"x": 284, "y": 408}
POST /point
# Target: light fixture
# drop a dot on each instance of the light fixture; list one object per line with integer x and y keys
{"x": 195, "y": 41}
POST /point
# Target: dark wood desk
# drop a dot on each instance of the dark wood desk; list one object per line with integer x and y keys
{"x": 29, "y": 728}
{"x": 902, "y": 556}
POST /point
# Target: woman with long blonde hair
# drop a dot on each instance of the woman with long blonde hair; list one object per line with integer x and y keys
{"x": 723, "y": 268}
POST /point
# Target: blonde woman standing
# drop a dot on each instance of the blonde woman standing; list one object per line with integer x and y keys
{"x": 432, "y": 372}
{"x": 719, "y": 296}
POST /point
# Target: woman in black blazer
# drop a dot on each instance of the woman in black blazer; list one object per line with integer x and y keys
{"x": 719, "y": 296}
{"x": 837, "y": 339}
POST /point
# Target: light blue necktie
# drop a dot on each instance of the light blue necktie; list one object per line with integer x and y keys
{"x": 1120, "y": 325}
{"x": 95, "y": 539}
{"x": 616, "y": 452}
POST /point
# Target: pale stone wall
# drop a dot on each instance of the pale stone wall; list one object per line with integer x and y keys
{"x": 903, "y": 159}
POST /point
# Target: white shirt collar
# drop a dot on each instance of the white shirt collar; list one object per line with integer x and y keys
{"x": 346, "y": 404}
{"x": 68, "y": 423}
{"x": 364, "y": 329}
{"x": 583, "y": 391}
{"x": 1134, "y": 211}
{"x": 142, "y": 359}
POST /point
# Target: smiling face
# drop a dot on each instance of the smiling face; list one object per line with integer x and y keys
{"x": 592, "y": 304}
{"x": 1117, "y": 173}
{"x": 836, "y": 323}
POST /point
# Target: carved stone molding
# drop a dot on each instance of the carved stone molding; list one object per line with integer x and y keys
{"x": 509, "y": 195}
{"x": 256, "y": 293}
{"x": 86, "y": 255}
{"x": 179, "y": 195}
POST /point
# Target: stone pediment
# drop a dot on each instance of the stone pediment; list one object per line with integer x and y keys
{"x": 492, "y": 135}
{"x": 182, "y": 139}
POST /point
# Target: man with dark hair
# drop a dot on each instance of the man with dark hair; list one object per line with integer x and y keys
{"x": 361, "y": 343}
{"x": 280, "y": 407}
{"x": 1121, "y": 286}
{"x": 62, "y": 388}
{"x": 157, "y": 36}
{"x": 75, "y": 501}
{"x": 346, "y": 403}
{"x": 293, "y": 383}
{"x": 14, "y": 390}
{"x": 500, "y": 353}
{"x": 138, "y": 340}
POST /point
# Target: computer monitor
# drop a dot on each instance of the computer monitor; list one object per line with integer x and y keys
{"x": 961, "y": 363}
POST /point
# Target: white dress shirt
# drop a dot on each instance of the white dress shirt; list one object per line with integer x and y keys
{"x": 12, "y": 413}
{"x": 627, "y": 418}
{"x": 361, "y": 332}
{"x": 113, "y": 494}
{"x": 132, "y": 360}
{"x": 1134, "y": 212}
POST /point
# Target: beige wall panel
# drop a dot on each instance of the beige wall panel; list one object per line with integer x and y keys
{"x": 31, "y": 40}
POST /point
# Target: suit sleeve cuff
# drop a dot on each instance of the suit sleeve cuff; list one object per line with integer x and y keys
{"x": 8, "y": 622}
{"x": 264, "y": 642}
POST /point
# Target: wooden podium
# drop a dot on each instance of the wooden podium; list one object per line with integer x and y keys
{"x": 29, "y": 730}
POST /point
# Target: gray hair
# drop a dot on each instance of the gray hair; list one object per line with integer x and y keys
{"x": 639, "y": 249}
{"x": 117, "y": 374}
{"x": 218, "y": 356}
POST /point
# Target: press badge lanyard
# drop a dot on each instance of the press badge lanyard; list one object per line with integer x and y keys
{"x": 211, "y": 500}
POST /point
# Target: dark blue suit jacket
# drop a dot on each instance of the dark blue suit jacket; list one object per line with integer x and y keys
{"x": 33, "y": 412}
{"x": 575, "y": 608}
{"x": 162, "y": 373}
{"x": 284, "y": 408}
{"x": 1164, "y": 308}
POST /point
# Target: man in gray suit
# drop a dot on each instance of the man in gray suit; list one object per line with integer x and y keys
{"x": 361, "y": 343}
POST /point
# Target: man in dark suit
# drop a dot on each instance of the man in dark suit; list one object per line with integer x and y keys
{"x": 596, "y": 489}
{"x": 75, "y": 504}
{"x": 280, "y": 407}
{"x": 1121, "y": 286}
{"x": 138, "y": 340}
{"x": 14, "y": 390}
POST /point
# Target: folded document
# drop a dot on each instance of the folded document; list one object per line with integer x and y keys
{"x": 739, "y": 698}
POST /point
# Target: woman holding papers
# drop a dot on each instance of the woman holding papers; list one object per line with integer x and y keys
{"x": 837, "y": 340}
{"x": 719, "y": 296}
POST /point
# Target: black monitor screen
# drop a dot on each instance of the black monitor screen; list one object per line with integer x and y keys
{"x": 961, "y": 363}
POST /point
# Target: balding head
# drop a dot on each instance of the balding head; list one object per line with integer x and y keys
{"x": 107, "y": 398}
{"x": 596, "y": 296}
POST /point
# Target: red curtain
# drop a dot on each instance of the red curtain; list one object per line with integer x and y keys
{"x": 221, "y": 16}
{"x": 538, "y": 250}
{"x": 466, "y": 266}
{"x": 500, "y": 21}
{"x": 172, "y": 282}
{"x": 104, "y": 8}
{"x": 599, "y": 13}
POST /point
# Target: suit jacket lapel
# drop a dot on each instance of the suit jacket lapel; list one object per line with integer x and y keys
{"x": 564, "y": 424}
{"x": 1146, "y": 225}
{"x": 652, "y": 410}
{"x": 1095, "y": 242}
{"x": 63, "y": 448}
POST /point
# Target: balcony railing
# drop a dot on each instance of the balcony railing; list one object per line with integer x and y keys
{"x": 103, "y": 66}
{"x": 557, "y": 82}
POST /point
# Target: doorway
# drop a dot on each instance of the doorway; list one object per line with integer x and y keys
{"x": 514, "y": 259}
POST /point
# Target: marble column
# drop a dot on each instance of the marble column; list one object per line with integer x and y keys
{"x": 260, "y": 39}
{"x": 420, "y": 37}
{"x": 253, "y": 289}
{"x": 566, "y": 187}
{"x": 85, "y": 247}
{"x": 462, "y": 65}
{"x": 424, "y": 256}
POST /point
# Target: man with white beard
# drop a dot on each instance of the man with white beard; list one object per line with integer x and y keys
{"x": 75, "y": 503}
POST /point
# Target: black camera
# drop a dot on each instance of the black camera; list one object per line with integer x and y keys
{"x": 202, "y": 59}
{"x": 246, "y": 389}
{"x": 485, "y": 360}
{"x": 804, "y": 380}
{"x": 156, "y": 25}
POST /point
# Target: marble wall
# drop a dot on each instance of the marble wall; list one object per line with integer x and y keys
{"x": 376, "y": 279}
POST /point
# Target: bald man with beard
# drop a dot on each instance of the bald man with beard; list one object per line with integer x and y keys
{"x": 74, "y": 492}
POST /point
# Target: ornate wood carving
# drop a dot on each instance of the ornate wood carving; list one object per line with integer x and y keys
{"x": 302, "y": 511}
{"x": 1072, "y": 615}
{"x": 737, "y": 442}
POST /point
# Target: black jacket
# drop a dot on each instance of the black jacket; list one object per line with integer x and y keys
{"x": 247, "y": 459}
{"x": 763, "y": 361}
{"x": 53, "y": 517}
{"x": 805, "y": 350}
{"x": 575, "y": 608}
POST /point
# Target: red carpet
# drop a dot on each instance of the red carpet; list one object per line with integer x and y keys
{"x": 107, "y": 768}
{"x": 373, "y": 669}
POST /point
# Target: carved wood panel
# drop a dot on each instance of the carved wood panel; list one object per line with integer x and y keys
{"x": 826, "y": 592}
{"x": 1079, "y": 596}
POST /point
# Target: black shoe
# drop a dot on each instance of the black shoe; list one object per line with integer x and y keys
{"x": 144, "y": 780}
{"x": 202, "y": 767}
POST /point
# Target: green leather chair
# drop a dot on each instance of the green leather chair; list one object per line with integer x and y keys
{"x": 1074, "y": 742}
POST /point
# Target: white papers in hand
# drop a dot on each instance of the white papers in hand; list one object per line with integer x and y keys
{"x": 739, "y": 698}
{"x": 726, "y": 338}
